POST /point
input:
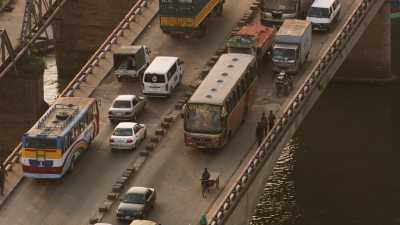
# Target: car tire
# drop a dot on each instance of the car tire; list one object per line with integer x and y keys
{"x": 134, "y": 147}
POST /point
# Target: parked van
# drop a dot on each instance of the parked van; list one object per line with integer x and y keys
{"x": 323, "y": 13}
{"x": 162, "y": 76}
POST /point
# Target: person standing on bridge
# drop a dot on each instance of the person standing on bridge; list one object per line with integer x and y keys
{"x": 259, "y": 133}
{"x": 271, "y": 119}
{"x": 264, "y": 123}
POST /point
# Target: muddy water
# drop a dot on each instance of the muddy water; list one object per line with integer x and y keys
{"x": 342, "y": 166}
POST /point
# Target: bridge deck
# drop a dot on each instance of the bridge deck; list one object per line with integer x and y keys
{"x": 172, "y": 169}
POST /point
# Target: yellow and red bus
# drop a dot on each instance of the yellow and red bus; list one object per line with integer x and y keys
{"x": 51, "y": 147}
{"x": 219, "y": 105}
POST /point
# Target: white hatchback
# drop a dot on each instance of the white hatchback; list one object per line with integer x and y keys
{"x": 127, "y": 135}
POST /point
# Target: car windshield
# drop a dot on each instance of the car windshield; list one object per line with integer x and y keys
{"x": 134, "y": 198}
{"x": 283, "y": 54}
{"x": 123, "y": 132}
{"x": 122, "y": 104}
{"x": 154, "y": 78}
{"x": 285, "y": 6}
{"x": 318, "y": 12}
{"x": 203, "y": 118}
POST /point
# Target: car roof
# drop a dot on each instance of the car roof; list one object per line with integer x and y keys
{"x": 322, "y": 3}
{"x": 139, "y": 190}
{"x": 125, "y": 125}
{"x": 125, "y": 97}
{"x": 161, "y": 64}
{"x": 143, "y": 222}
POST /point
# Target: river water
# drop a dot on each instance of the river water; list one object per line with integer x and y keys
{"x": 342, "y": 166}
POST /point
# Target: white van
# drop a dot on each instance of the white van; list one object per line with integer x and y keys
{"x": 162, "y": 76}
{"x": 323, "y": 13}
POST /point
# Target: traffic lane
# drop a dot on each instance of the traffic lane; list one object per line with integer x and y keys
{"x": 175, "y": 170}
{"x": 195, "y": 51}
{"x": 58, "y": 202}
{"x": 169, "y": 174}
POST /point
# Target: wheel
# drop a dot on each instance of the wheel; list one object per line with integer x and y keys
{"x": 134, "y": 147}
{"x": 72, "y": 164}
{"x": 145, "y": 134}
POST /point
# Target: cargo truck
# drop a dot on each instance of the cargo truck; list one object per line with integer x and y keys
{"x": 254, "y": 39}
{"x": 292, "y": 46}
{"x": 131, "y": 61}
{"x": 274, "y": 12}
{"x": 187, "y": 17}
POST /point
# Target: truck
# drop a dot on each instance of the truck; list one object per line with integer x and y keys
{"x": 274, "y": 12}
{"x": 131, "y": 61}
{"x": 254, "y": 39}
{"x": 292, "y": 45}
{"x": 187, "y": 17}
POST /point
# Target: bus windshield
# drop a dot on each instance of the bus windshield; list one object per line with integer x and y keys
{"x": 203, "y": 118}
{"x": 40, "y": 143}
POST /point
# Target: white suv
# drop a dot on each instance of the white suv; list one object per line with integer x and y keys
{"x": 323, "y": 13}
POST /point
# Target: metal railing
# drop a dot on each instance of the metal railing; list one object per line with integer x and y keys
{"x": 37, "y": 17}
{"x": 118, "y": 32}
{"x": 87, "y": 69}
{"x": 269, "y": 144}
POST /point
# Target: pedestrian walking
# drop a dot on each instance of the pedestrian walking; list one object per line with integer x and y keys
{"x": 264, "y": 123}
{"x": 259, "y": 133}
{"x": 271, "y": 119}
{"x": 2, "y": 179}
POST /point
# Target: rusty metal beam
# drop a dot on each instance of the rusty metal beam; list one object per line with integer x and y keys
{"x": 7, "y": 53}
{"x": 38, "y": 16}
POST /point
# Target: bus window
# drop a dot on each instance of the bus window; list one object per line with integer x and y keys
{"x": 203, "y": 118}
{"x": 41, "y": 143}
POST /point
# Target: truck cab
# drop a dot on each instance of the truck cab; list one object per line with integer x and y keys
{"x": 131, "y": 61}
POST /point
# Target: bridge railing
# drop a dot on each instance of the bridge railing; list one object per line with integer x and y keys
{"x": 118, "y": 32}
{"x": 87, "y": 69}
{"x": 269, "y": 144}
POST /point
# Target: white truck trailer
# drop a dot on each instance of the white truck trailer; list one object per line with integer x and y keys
{"x": 292, "y": 46}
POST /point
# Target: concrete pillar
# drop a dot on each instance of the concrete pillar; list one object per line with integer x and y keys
{"x": 370, "y": 59}
{"x": 22, "y": 100}
{"x": 80, "y": 28}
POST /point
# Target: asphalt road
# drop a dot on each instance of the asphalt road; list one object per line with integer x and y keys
{"x": 173, "y": 169}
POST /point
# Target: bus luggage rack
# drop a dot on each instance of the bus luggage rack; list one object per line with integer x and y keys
{"x": 64, "y": 114}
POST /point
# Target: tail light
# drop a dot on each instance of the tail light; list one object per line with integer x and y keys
{"x": 129, "y": 141}
{"x": 110, "y": 113}
{"x": 111, "y": 140}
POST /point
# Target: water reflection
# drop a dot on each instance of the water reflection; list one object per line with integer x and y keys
{"x": 50, "y": 81}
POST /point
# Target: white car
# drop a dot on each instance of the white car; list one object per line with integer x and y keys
{"x": 127, "y": 135}
{"x": 126, "y": 108}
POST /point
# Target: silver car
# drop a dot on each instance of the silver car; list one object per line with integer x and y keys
{"x": 136, "y": 203}
{"x": 126, "y": 108}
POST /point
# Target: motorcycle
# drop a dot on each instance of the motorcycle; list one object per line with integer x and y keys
{"x": 283, "y": 84}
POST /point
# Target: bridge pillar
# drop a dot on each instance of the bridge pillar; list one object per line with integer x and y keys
{"x": 370, "y": 59}
{"x": 80, "y": 28}
{"x": 22, "y": 100}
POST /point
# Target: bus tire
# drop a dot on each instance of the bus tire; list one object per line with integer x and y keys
{"x": 72, "y": 164}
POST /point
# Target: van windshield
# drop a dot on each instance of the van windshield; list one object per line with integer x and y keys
{"x": 284, "y": 55}
{"x": 154, "y": 78}
{"x": 318, "y": 12}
